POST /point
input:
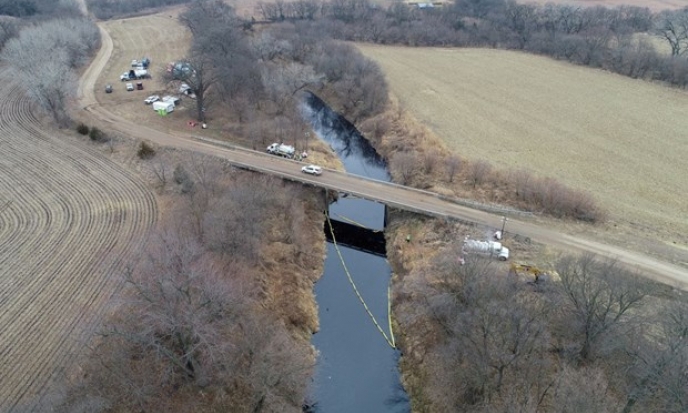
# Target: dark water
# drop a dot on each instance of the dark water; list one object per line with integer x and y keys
{"x": 357, "y": 369}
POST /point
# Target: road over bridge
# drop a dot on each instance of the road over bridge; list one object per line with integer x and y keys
{"x": 390, "y": 194}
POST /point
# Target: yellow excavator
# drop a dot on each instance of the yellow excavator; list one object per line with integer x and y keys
{"x": 532, "y": 274}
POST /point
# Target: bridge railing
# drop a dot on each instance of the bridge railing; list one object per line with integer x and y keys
{"x": 491, "y": 208}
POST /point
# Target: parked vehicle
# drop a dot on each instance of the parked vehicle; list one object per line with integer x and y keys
{"x": 130, "y": 87}
{"x": 312, "y": 169}
{"x": 134, "y": 74}
{"x": 281, "y": 149}
{"x": 186, "y": 89}
{"x": 175, "y": 100}
{"x": 142, "y": 64}
{"x": 140, "y": 73}
{"x": 165, "y": 106}
{"x": 108, "y": 88}
{"x": 491, "y": 248}
{"x": 139, "y": 86}
{"x": 150, "y": 99}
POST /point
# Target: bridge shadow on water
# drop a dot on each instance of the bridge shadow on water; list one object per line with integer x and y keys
{"x": 357, "y": 237}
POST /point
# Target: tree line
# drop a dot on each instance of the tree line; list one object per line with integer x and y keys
{"x": 107, "y": 9}
{"x": 45, "y": 57}
{"x": 259, "y": 74}
{"x": 594, "y": 36}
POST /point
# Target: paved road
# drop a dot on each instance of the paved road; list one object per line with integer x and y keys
{"x": 393, "y": 195}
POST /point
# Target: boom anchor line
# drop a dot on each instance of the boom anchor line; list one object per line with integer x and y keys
{"x": 389, "y": 339}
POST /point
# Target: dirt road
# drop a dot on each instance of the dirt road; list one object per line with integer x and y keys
{"x": 73, "y": 220}
{"x": 391, "y": 194}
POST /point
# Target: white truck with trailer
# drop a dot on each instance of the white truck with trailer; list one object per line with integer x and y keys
{"x": 490, "y": 248}
{"x": 134, "y": 74}
{"x": 281, "y": 149}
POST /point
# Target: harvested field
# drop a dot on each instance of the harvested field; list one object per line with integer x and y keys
{"x": 73, "y": 221}
{"x": 621, "y": 139}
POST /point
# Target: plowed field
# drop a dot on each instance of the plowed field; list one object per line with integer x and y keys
{"x": 73, "y": 222}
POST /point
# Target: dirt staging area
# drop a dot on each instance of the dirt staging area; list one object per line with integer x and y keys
{"x": 73, "y": 221}
{"x": 621, "y": 139}
{"x": 159, "y": 37}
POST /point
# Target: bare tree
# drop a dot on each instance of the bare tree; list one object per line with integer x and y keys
{"x": 478, "y": 172}
{"x": 453, "y": 166}
{"x": 52, "y": 84}
{"x": 282, "y": 82}
{"x": 187, "y": 325}
{"x": 659, "y": 355}
{"x": 219, "y": 54}
{"x": 496, "y": 335}
{"x": 672, "y": 26}
{"x": 598, "y": 300}
{"x": 43, "y": 57}
{"x": 521, "y": 20}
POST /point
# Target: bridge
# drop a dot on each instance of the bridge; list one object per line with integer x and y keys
{"x": 392, "y": 195}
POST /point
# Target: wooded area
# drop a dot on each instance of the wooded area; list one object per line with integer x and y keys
{"x": 196, "y": 328}
{"x": 214, "y": 316}
{"x": 595, "y": 338}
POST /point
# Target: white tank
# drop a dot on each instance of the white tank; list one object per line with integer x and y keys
{"x": 486, "y": 247}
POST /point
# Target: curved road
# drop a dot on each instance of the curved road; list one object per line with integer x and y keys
{"x": 393, "y": 195}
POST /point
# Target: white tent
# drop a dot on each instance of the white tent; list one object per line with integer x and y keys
{"x": 166, "y": 107}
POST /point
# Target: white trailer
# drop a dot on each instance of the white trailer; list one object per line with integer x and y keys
{"x": 140, "y": 73}
{"x": 281, "y": 149}
{"x": 491, "y": 248}
{"x": 162, "y": 105}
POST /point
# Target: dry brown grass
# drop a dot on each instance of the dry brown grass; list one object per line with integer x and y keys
{"x": 623, "y": 140}
{"x": 159, "y": 37}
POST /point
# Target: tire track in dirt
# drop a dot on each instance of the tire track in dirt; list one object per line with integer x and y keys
{"x": 74, "y": 221}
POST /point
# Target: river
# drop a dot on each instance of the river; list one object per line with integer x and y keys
{"x": 357, "y": 368}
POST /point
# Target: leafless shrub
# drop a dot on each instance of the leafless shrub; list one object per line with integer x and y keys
{"x": 554, "y": 198}
{"x": 376, "y": 127}
{"x": 403, "y": 166}
{"x": 182, "y": 177}
{"x": 430, "y": 161}
{"x": 478, "y": 172}
{"x": 582, "y": 390}
{"x": 145, "y": 151}
{"x": 160, "y": 171}
{"x": 452, "y": 166}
